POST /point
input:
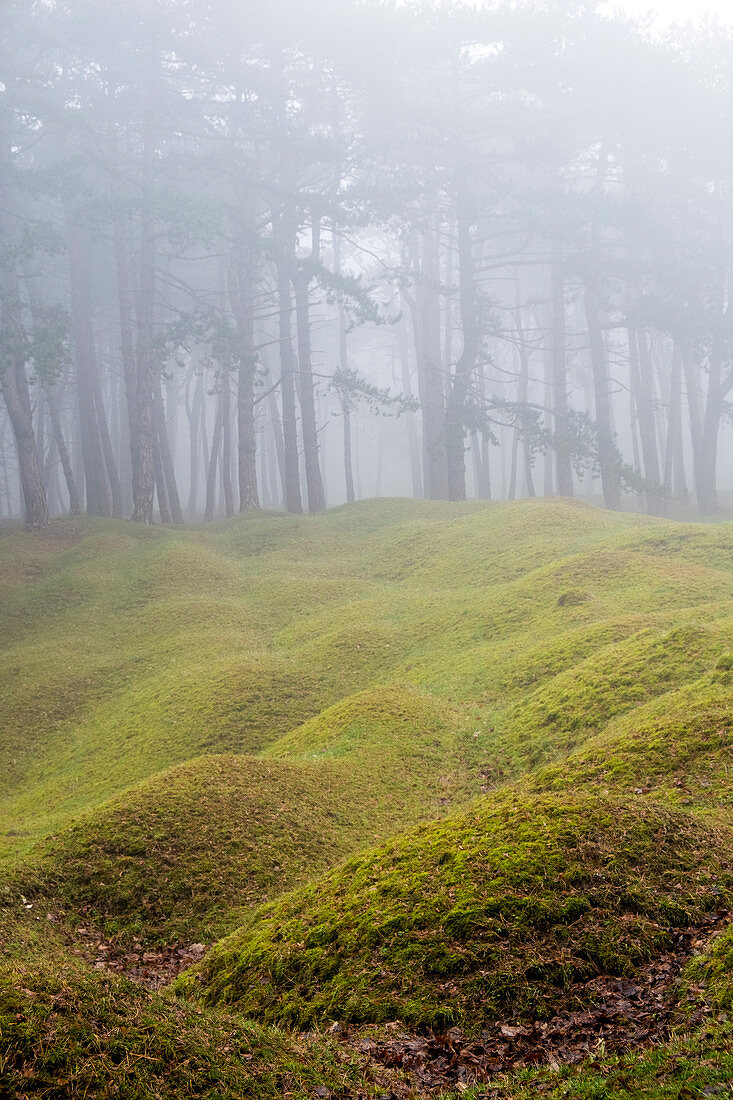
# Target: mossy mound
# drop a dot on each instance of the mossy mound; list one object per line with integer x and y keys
{"x": 677, "y": 749}
{"x": 177, "y": 858}
{"x": 579, "y": 701}
{"x": 389, "y": 727}
{"x": 498, "y": 543}
{"x": 503, "y": 910}
{"x": 172, "y": 860}
{"x": 66, "y": 1032}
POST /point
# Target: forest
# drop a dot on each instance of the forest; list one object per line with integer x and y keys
{"x": 366, "y": 568}
{"x": 291, "y": 255}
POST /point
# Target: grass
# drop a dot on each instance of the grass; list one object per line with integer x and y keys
{"x": 67, "y": 1033}
{"x": 488, "y": 746}
{"x": 496, "y": 911}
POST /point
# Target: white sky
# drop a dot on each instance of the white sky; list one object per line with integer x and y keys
{"x": 675, "y": 11}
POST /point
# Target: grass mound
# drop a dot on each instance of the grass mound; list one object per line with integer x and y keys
{"x": 496, "y": 911}
{"x": 677, "y": 749}
{"x": 177, "y": 858}
{"x": 172, "y": 860}
{"x": 581, "y": 700}
{"x": 71, "y": 1033}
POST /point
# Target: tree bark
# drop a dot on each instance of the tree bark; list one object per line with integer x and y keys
{"x": 55, "y": 418}
{"x": 213, "y": 460}
{"x": 313, "y": 480}
{"x": 166, "y": 460}
{"x": 641, "y": 384}
{"x": 14, "y": 386}
{"x": 97, "y": 495}
{"x": 559, "y": 382}
{"x": 607, "y": 452}
{"x": 455, "y": 418}
{"x": 415, "y": 468}
{"x": 285, "y": 242}
{"x": 241, "y": 297}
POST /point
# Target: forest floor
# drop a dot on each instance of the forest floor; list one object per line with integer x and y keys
{"x": 406, "y": 799}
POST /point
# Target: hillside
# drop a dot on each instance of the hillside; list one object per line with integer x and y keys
{"x": 447, "y": 765}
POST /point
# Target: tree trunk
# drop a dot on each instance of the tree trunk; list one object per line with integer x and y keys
{"x": 285, "y": 238}
{"x": 313, "y": 479}
{"x": 55, "y": 418}
{"x": 226, "y": 445}
{"x": 607, "y": 452}
{"x": 348, "y": 454}
{"x": 425, "y": 309}
{"x": 241, "y": 297}
{"x": 455, "y": 418}
{"x": 166, "y": 460}
{"x": 160, "y": 487}
{"x": 213, "y": 460}
{"x": 523, "y": 395}
{"x": 415, "y": 470}
{"x": 675, "y": 479}
{"x": 110, "y": 465}
{"x": 641, "y": 384}
{"x": 14, "y": 386}
{"x": 97, "y": 496}
{"x": 193, "y": 413}
{"x": 559, "y": 383}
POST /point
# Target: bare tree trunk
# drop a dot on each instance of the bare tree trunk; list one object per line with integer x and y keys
{"x": 213, "y": 460}
{"x": 415, "y": 470}
{"x": 166, "y": 459}
{"x": 675, "y": 479}
{"x": 640, "y": 371}
{"x": 425, "y": 313}
{"x": 279, "y": 442}
{"x": 455, "y": 417}
{"x": 241, "y": 296}
{"x": 97, "y": 496}
{"x": 484, "y": 468}
{"x": 110, "y": 465}
{"x": 348, "y": 453}
{"x": 194, "y": 409}
{"x": 523, "y": 393}
{"x": 559, "y": 381}
{"x": 285, "y": 236}
{"x": 313, "y": 479}
{"x": 14, "y": 386}
{"x": 55, "y": 417}
{"x": 607, "y": 453}
{"x": 160, "y": 488}
{"x": 226, "y": 445}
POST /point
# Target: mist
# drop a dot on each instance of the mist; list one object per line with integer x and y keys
{"x": 294, "y": 257}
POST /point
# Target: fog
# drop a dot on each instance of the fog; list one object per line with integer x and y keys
{"x": 296, "y": 254}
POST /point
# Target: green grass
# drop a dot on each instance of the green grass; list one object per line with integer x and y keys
{"x": 495, "y": 911}
{"x": 484, "y": 746}
{"x": 69, "y": 1032}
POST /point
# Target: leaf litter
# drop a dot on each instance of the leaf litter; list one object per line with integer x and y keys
{"x": 627, "y": 1014}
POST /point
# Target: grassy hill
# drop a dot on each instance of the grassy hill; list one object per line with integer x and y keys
{"x": 444, "y": 764}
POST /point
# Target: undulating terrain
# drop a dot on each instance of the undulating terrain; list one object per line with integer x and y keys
{"x": 433, "y": 798}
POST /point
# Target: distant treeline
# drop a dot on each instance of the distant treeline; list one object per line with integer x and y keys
{"x": 230, "y": 232}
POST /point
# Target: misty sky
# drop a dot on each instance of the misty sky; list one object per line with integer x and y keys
{"x": 670, "y": 11}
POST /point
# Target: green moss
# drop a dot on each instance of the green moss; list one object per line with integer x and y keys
{"x": 201, "y": 720}
{"x": 677, "y": 749}
{"x": 175, "y": 859}
{"x": 578, "y": 702}
{"x": 72, "y": 1033}
{"x": 474, "y": 917}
